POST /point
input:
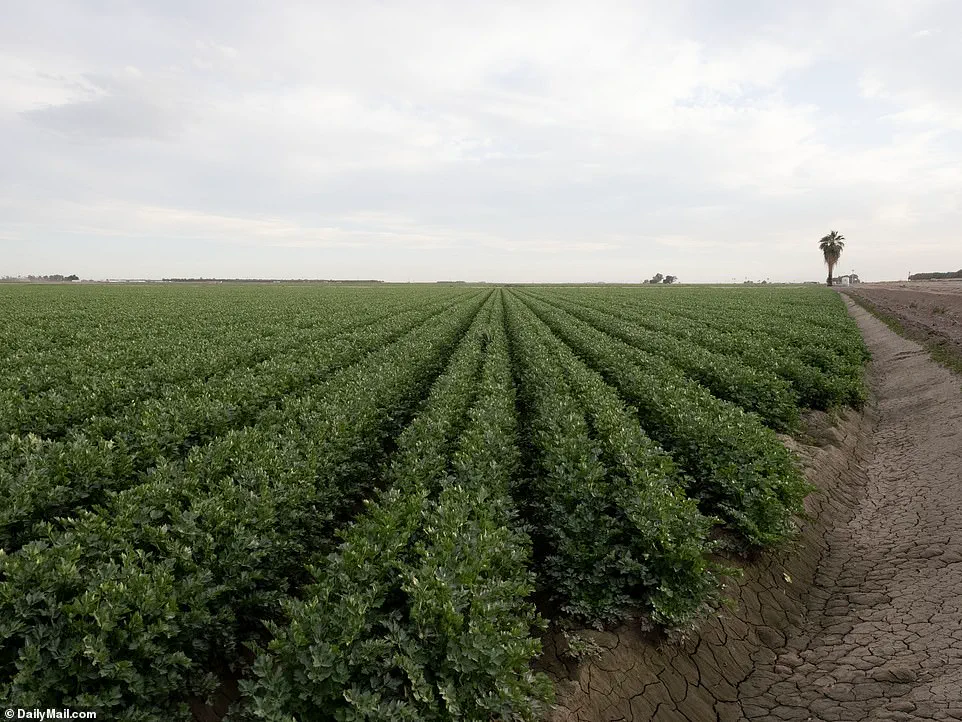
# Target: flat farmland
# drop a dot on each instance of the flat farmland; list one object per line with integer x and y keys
{"x": 370, "y": 502}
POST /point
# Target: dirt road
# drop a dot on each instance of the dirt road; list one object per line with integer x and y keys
{"x": 883, "y": 633}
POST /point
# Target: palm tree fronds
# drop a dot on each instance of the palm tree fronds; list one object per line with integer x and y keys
{"x": 831, "y": 247}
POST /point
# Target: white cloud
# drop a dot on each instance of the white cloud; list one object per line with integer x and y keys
{"x": 371, "y": 231}
{"x": 619, "y": 134}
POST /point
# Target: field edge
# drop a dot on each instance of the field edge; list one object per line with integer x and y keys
{"x": 634, "y": 673}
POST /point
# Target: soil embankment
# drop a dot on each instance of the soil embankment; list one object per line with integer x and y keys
{"x": 862, "y": 620}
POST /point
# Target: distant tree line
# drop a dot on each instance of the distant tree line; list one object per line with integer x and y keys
{"x": 56, "y": 277}
{"x": 658, "y": 278}
{"x": 268, "y": 280}
{"x": 935, "y": 276}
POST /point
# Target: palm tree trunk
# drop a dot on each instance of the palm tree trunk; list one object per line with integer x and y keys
{"x": 830, "y": 267}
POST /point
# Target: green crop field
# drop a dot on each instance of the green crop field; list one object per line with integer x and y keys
{"x": 367, "y": 503}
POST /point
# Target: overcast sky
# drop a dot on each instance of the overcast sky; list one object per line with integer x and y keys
{"x": 479, "y": 141}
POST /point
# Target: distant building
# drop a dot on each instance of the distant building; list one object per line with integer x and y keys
{"x": 849, "y": 280}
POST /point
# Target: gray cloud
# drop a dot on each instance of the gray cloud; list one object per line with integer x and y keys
{"x": 116, "y": 107}
{"x": 106, "y": 118}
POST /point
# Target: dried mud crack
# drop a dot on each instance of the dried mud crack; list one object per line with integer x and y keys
{"x": 862, "y": 620}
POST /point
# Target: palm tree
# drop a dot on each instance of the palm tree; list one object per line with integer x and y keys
{"x": 832, "y": 246}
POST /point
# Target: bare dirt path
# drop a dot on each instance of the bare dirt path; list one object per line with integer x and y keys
{"x": 882, "y": 638}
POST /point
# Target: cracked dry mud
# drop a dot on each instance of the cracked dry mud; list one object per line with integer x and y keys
{"x": 862, "y": 620}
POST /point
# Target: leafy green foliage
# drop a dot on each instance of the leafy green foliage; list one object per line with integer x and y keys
{"x": 741, "y": 472}
{"x": 225, "y": 537}
{"x": 44, "y": 478}
{"x": 68, "y": 366}
{"x": 803, "y": 336}
{"x": 421, "y": 613}
{"x": 725, "y": 376}
{"x": 367, "y": 487}
{"x": 607, "y": 502}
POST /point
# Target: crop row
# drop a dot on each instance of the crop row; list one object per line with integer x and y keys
{"x": 44, "y": 478}
{"x": 725, "y": 376}
{"x": 378, "y": 520}
{"x": 48, "y": 394}
{"x": 130, "y": 606}
{"x": 606, "y": 503}
{"x": 820, "y": 374}
{"x": 422, "y": 612}
{"x": 739, "y": 469}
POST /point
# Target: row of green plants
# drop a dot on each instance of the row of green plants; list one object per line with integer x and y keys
{"x": 43, "y": 479}
{"x": 380, "y": 523}
{"x": 774, "y": 310}
{"x": 422, "y": 613}
{"x": 726, "y": 376}
{"x": 804, "y": 317}
{"x": 607, "y": 505}
{"x": 823, "y": 374}
{"x": 739, "y": 470}
{"x": 130, "y": 608}
{"x": 49, "y": 394}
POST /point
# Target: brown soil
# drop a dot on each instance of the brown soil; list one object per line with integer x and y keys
{"x": 862, "y": 620}
{"x": 929, "y": 312}
{"x": 950, "y": 286}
